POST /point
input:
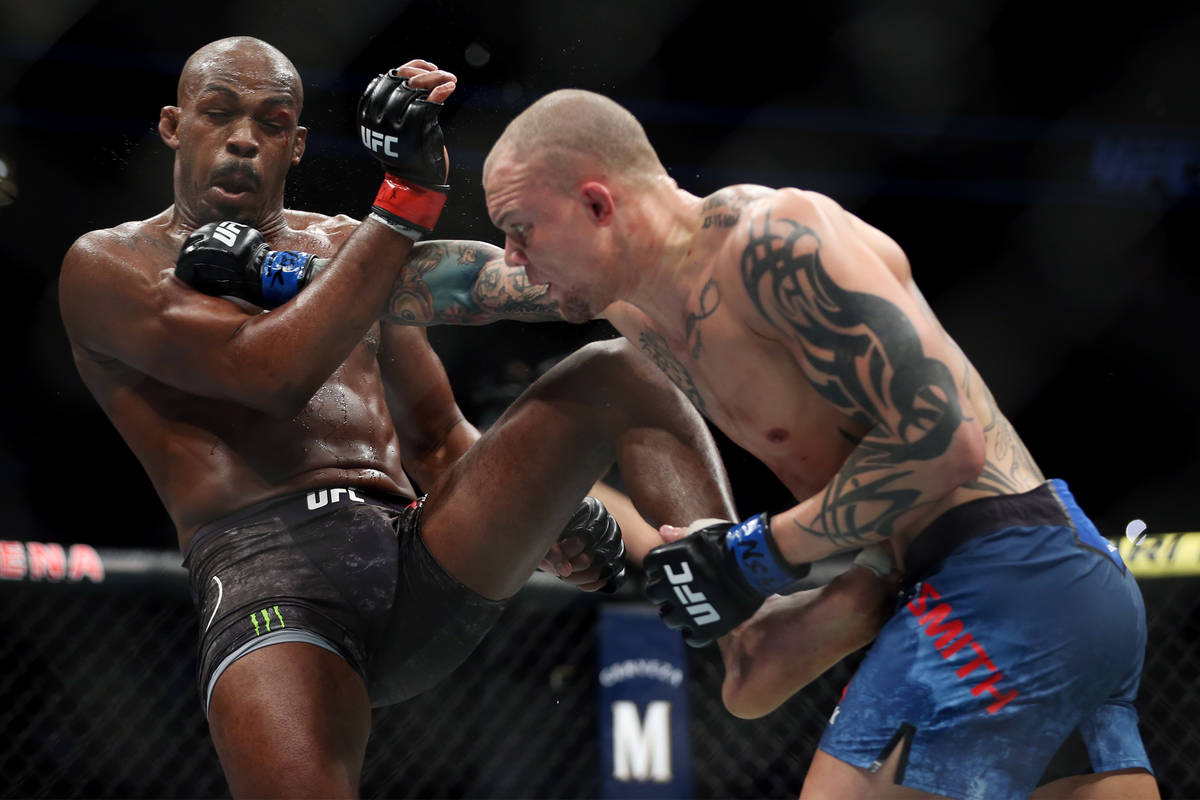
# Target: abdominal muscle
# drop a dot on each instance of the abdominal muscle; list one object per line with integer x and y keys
{"x": 208, "y": 458}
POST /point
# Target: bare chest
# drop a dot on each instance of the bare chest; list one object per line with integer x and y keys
{"x": 754, "y": 391}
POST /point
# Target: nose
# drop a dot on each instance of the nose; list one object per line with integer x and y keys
{"x": 513, "y": 255}
{"x": 241, "y": 141}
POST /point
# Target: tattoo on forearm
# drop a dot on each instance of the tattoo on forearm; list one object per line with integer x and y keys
{"x": 710, "y": 298}
{"x": 464, "y": 283}
{"x": 507, "y": 292}
{"x": 655, "y": 346}
{"x": 864, "y": 356}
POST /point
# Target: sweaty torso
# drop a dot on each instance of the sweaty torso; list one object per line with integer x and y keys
{"x": 208, "y": 457}
{"x": 736, "y": 369}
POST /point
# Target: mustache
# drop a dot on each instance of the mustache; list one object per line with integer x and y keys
{"x": 239, "y": 172}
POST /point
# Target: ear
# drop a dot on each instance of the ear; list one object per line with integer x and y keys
{"x": 298, "y": 147}
{"x": 599, "y": 202}
{"x": 168, "y": 126}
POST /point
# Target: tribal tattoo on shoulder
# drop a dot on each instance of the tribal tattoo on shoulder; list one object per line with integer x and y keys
{"x": 863, "y": 355}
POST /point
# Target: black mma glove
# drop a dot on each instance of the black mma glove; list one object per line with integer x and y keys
{"x": 399, "y": 125}
{"x": 602, "y": 541}
{"x": 714, "y": 579}
{"x": 231, "y": 259}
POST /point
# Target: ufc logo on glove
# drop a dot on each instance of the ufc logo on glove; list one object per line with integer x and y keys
{"x": 375, "y": 141}
{"x": 227, "y": 232}
{"x": 693, "y": 602}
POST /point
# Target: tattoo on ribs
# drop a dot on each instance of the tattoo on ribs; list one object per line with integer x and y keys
{"x": 1009, "y": 466}
{"x": 863, "y": 355}
{"x": 656, "y": 347}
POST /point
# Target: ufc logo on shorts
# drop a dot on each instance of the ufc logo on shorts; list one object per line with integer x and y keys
{"x": 315, "y": 500}
{"x": 227, "y": 232}
{"x": 374, "y": 141}
{"x": 695, "y": 603}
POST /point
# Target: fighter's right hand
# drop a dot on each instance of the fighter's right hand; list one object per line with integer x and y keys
{"x": 713, "y": 579}
{"x": 229, "y": 259}
{"x": 696, "y": 586}
{"x": 398, "y": 123}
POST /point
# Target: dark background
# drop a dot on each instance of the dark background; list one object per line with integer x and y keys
{"x": 1039, "y": 163}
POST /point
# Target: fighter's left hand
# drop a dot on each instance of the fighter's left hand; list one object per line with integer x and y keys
{"x": 567, "y": 560}
{"x": 589, "y": 553}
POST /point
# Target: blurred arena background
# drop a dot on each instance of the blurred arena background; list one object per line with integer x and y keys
{"x": 1040, "y": 163}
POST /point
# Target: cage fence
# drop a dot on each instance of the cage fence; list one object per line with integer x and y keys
{"x": 98, "y": 699}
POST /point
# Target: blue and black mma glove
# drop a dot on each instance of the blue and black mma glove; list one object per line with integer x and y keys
{"x": 714, "y": 579}
{"x": 229, "y": 259}
{"x": 602, "y": 540}
{"x": 399, "y": 125}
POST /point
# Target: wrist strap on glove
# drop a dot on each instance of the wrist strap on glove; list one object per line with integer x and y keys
{"x": 284, "y": 273}
{"x": 753, "y": 548}
{"x": 407, "y": 208}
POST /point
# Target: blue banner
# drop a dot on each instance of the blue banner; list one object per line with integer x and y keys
{"x": 643, "y": 713}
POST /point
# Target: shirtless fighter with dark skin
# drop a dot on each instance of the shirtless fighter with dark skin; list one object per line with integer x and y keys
{"x": 227, "y": 407}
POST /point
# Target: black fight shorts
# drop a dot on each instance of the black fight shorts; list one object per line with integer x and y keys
{"x": 341, "y": 569}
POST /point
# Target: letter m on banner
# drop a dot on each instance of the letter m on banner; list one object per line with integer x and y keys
{"x": 642, "y": 711}
{"x": 641, "y": 751}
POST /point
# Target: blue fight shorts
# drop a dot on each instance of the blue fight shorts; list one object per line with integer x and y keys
{"x": 1019, "y": 626}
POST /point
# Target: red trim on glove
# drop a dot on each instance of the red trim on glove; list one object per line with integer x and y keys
{"x": 418, "y": 205}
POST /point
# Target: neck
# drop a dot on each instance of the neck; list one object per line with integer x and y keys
{"x": 660, "y": 257}
{"x": 269, "y": 224}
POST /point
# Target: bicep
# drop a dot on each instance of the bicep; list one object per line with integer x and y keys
{"x": 859, "y": 337}
{"x": 464, "y": 283}
{"x": 153, "y": 323}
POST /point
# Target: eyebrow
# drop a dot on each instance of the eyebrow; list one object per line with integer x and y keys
{"x": 277, "y": 100}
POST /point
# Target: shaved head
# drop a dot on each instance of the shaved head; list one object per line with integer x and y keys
{"x": 236, "y": 132}
{"x": 236, "y": 55}
{"x": 574, "y": 132}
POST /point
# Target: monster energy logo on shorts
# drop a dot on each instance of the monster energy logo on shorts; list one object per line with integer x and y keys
{"x": 266, "y": 620}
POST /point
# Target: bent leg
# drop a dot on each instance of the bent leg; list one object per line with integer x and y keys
{"x": 832, "y": 779}
{"x": 1122, "y": 784}
{"x": 290, "y": 720}
{"x": 491, "y": 517}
